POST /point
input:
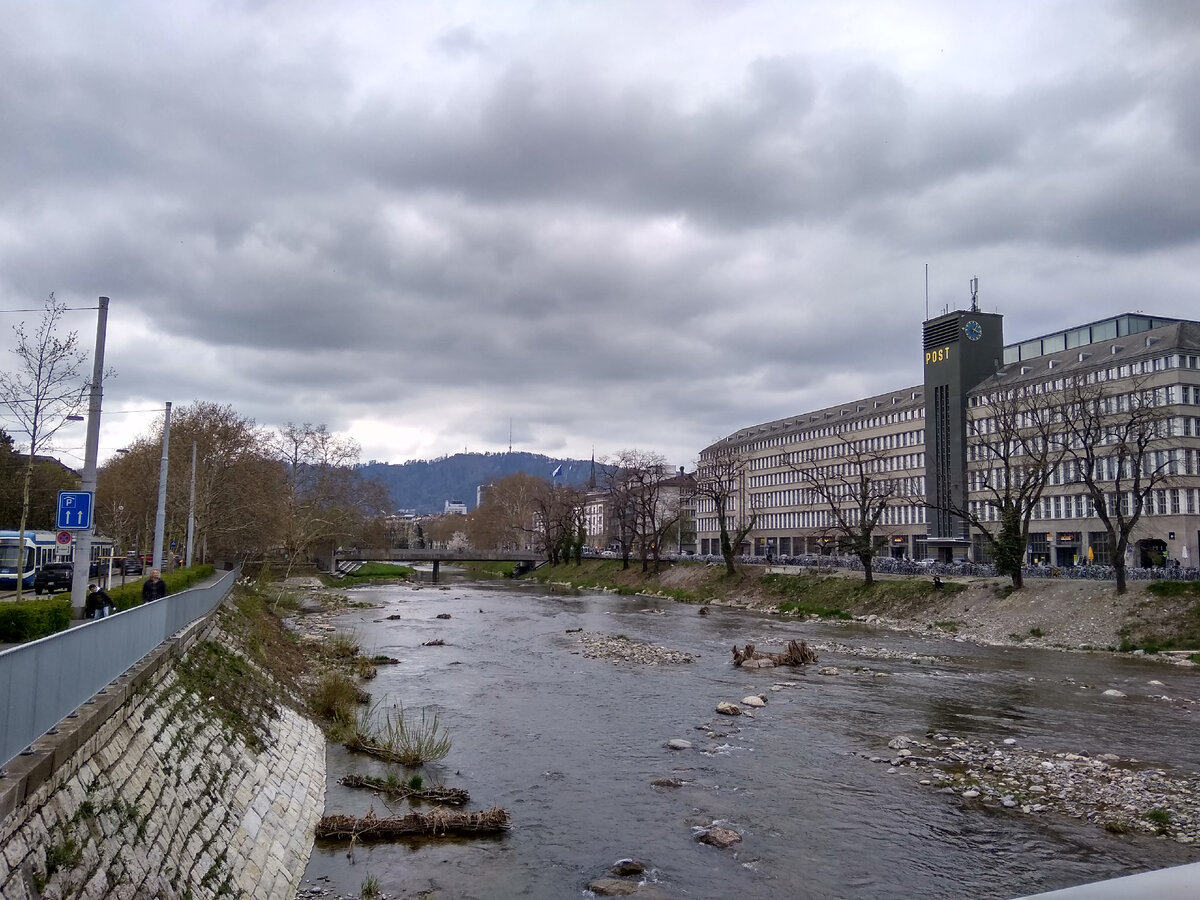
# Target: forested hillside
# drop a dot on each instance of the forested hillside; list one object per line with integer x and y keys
{"x": 426, "y": 485}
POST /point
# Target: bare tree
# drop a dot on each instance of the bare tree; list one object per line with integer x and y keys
{"x": 504, "y": 518}
{"x": 239, "y": 486}
{"x": 46, "y": 388}
{"x": 325, "y": 497}
{"x": 620, "y": 509}
{"x": 1115, "y": 448}
{"x": 655, "y": 510}
{"x": 557, "y": 514}
{"x": 1014, "y": 445}
{"x": 720, "y": 480}
{"x": 857, "y": 488}
{"x": 640, "y": 511}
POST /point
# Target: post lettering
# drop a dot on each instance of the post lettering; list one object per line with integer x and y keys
{"x": 941, "y": 354}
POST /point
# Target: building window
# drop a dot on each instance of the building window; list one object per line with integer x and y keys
{"x": 1098, "y": 542}
{"x": 1039, "y": 548}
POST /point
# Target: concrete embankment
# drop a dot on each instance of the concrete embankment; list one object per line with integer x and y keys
{"x": 170, "y": 784}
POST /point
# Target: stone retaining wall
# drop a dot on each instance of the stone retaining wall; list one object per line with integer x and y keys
{"x": 142, "y": 795}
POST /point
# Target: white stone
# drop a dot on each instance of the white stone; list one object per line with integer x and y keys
{"x": 679, "y": 744}
{"x": 1113, "y": 692}
{"x": 753, "y": 701}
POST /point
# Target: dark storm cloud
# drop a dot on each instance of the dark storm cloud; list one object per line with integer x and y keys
{"x": 419, "y": 225}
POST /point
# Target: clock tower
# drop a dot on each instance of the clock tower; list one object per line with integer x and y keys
{"x": 961, "y": 349}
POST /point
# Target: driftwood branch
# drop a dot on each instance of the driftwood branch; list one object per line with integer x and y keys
{"x": 797, "y": 653}
{"x": 394, "y": 791}
{"x": 438, "y": 823}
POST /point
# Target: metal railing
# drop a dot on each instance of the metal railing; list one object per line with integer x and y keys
{"x": 44, "y": 681}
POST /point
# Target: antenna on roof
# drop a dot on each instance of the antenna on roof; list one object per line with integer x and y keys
{"x": 975, "y": 294}
{"x": 926, "y": 291}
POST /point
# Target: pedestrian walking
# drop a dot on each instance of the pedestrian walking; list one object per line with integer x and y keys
{"x": 153, "y": 588}
{"x": 98, "y": 603}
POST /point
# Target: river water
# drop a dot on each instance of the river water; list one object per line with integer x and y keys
{"x": 570, "y": 745}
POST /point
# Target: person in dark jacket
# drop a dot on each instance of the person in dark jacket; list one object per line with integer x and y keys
{"x": 153, "y": 588}
{"x": 98, "y": 604}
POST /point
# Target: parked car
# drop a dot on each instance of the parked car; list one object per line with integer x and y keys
{"x": 53, "y": 577}
{"x": 132, "y": 565}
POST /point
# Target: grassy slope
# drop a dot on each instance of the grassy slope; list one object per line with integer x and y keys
{"x": 1165, "y": 616}
{"x": 828, "y": 595}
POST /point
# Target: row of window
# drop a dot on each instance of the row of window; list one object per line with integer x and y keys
{"x": 909, "y": 487}
{"x": 1172, "y": 461}
{"x": 833, "y": 430}
{"x": 901, "y": 462}
{"x": 1164, "y": 502}
{"x": 907, "y": 514}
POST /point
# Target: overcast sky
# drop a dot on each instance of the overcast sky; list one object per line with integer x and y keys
{"x": 640, "y": 224}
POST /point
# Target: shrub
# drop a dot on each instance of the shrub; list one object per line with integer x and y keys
{"x": 342, "y": 645}
{"x": 32, "y": 619}
{"x": 335, "y": 698}
{"x": 129, "y": 595}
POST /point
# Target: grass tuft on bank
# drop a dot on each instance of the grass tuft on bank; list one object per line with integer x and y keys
{"x": 1185, "y": 630}
{"x": 808, "y": 594}
{"x": 374, "y": 571}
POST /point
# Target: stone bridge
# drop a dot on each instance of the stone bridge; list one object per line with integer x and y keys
{"x": 526, "y": 560}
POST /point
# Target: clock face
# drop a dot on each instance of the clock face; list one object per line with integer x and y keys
{"x": 974, "y": 330}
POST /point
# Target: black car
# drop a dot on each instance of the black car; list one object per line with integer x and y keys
{"x": 132, "y": 565}
{"x": 53, "y": 577}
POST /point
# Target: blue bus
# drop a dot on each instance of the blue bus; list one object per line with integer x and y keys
{"x": 41, "y": 547}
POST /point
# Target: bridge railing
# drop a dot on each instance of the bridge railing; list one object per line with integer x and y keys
{"x": 44, "y": 681}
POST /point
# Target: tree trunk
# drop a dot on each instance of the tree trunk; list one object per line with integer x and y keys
{"x": 24, "y": 521}
{"x": 868, "y": 574}
{"x": 727, "y": 552}
{"x": 1119, "y": 571}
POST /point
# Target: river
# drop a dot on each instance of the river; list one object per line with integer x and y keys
{"x": 570, "y": 745}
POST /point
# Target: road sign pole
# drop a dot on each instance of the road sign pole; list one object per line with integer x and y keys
{"x": 83, "y": 541}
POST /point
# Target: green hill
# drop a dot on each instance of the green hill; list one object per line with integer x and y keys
{"x": 425, "y": 485}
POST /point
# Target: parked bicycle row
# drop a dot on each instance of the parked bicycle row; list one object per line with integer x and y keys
{"x": 885, "y": 565}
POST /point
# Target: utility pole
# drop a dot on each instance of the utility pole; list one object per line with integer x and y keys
{"x": 83, "y": 539}
{"x": 191, "y": 526}
{"x": 160, "y": 517}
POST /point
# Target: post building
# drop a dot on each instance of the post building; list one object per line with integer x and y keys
{"x": 927, "y": 442}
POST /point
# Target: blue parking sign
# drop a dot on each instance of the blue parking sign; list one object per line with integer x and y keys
{"x": 74, "y": 510}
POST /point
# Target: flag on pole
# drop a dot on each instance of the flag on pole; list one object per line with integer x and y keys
{"x": 557, "y": 471}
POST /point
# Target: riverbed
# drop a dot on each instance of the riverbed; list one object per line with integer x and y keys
{"x": 576, "y": 748}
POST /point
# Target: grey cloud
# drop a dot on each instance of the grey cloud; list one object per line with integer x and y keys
{"x": 462, "y": 41}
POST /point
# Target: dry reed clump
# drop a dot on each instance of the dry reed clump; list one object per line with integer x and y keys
{"x": 398, "y": 736}
{"x": 438, "y": 823}
{"x": 394, "y": 789}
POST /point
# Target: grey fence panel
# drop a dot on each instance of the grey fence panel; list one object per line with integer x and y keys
{"x": 46, "y": 680}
